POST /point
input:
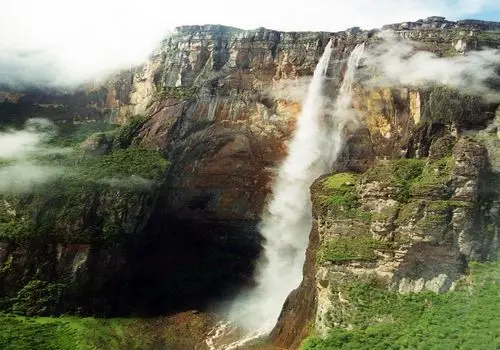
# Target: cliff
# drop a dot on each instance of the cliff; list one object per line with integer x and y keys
{"x": 207, "y": 102}
{"x": 409, "y": 202}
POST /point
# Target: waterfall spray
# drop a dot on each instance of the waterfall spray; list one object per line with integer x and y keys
{"x": 287, "y": 221}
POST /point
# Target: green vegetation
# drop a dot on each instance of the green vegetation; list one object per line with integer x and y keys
{"x": 434, "y": 178}
{"x": 413, "y": 177}
{"x": 438, "y": 213}
{"x": 37, "y": 298}
{"x": 442, "y": 147}
{"x": 181, "y": 332}
{"x": 176, "y": 92}
{"x": 115, "y": 181}
{"x": 340, "y": 190}
{"x": 489, "y": 38}
{"x": 405, "y": 173}
{"x": 407, "y": 177}
{"x": 409, "y": 211}
{"x": 105, "y": 187}
{"x": 466, "y": 318}
{"x": 141, "y": 162}
{"x": 400, "y": 173}
{"x": 386, "y": 214}
{"x": 338, "y": 193}
{"x": 441, "y": 104}
{"x": 72, "y": 135}
{"x": 40, "y": 333}
{"x": 361, "y": 248}
{"x": 124, "y": 135}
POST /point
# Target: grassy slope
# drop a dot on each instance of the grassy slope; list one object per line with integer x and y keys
{"x": 467, "y": 318}
{"x": 180, "y": 332}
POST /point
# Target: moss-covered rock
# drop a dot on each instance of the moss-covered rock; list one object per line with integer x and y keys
{"x": 371, "y": 317}
{"x": 447, "y": 106}
{"x": 360, "y": 248}
{"x": 434, "y": 179}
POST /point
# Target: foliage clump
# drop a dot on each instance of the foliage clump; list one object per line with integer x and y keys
{"x": 400, "y": 173}
{"x": 72, "y": 135}
{"x": 434, "y": 178}
{"x": 346, "y": 248}
{"x": 103, "y": 187}
{"x": 413, "y": 177}
{"x": 176, "y": 92}
{"x": 340, "y": 191}
{"x": 124, "y": 135}
{"x": 142, "y": 162}
{"x": 466, "y": 318}
{"x": 77, "y": 333}
{"x": 37, "y": 298}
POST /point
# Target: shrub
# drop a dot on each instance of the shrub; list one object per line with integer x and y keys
{"x": 124, "y": 135}
{"x": 400, "y": 173}
{"x": 434, "y": 177}
{"x": 339, "y": 191}
{"x": 350, "y": 248}
{"x": 466, "y": 318}
{"x": 37, "y": 298}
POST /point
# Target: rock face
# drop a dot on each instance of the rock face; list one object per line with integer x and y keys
{"x": 220, "y": 104}
{"x": 217, "y": 103}
{"x": 408, "y": 203}
{"x": 412, "y": 225}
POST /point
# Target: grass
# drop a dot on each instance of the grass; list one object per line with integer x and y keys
{"x": 338, "y": 193}
{"x": 361, "y": 248}
{"x": 413, "y": 177}
{"x": 466, "y": 318}
{"x": 56, "y": 333}
{"x": 400, "y": 173}
{"x": 434, "y": 178}
{"x": 338, "y": 190}
{"x": 179, "y": 332}
{"x": 40, "y": 333}
{"x": 72, "y": 135}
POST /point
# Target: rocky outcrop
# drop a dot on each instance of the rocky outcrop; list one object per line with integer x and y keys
{"x": 412, "y": 234}
{"x": 408, "y": 207}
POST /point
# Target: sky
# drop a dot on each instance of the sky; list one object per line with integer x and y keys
{"x": 56, "y": 41}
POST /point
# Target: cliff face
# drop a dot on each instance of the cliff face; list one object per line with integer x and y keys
{"x": 220, "y": 103}
{"x": 210, "y": 101}
{"x": 411, "y": 200}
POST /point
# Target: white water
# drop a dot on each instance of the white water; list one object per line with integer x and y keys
{"x": 286, "y": 225}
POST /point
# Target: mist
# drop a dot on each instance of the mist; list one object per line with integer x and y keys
{"x": 133, "y": 181}
{"x": 289, "y": 89}
{"x": 19, "y": 149}
{"x": 397, "y": 63}
{"x": 53, "y": 43}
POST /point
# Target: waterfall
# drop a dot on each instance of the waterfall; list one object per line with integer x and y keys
{"x": 287, "y": 222}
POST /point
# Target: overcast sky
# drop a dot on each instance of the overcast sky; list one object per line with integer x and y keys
{"x": 53, "y": 40}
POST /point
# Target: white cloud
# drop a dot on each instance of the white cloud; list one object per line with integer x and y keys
{"x": 23, "y": 176}
{"x": 19, "y": 144}
{"x": 57, "y": 41}
{"x": 132, "y": 181}
{"x": 398, "y": 63}
{"x": 18, "y": 149}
